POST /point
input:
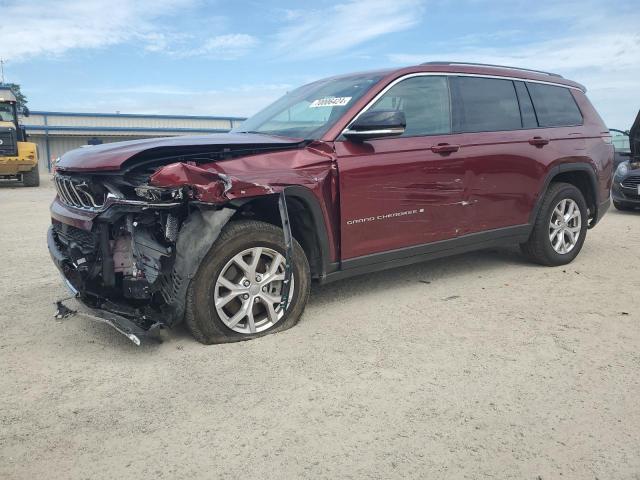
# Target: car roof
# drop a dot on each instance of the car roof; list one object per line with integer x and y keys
{"x": 481, "y": 69}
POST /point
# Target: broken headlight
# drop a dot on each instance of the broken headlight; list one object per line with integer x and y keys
{"x": 156, "y": 194}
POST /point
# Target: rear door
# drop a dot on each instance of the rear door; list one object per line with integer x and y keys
{"x": 496, "y": 124}
{"x": 403, "y": 191}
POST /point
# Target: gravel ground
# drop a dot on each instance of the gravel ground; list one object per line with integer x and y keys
{"x": 477, "y": 366}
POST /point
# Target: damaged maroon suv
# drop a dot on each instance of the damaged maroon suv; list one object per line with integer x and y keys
{"x": 340, "y": 177}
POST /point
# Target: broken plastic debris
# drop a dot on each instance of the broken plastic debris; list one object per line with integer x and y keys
{"x": 63, "y": 311}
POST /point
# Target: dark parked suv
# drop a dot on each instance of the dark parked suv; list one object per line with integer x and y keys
{"x": 340, "y": 177}
{"x": 626, "y": 179}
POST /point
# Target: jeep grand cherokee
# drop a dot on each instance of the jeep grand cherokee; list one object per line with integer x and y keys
{"x": 340, "y": 177}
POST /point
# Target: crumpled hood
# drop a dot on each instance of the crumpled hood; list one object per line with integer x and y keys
{"x": 112, "y": 156}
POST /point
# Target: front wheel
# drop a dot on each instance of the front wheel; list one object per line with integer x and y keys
{"x": 237, "y": 292}
{"x": 560, "y": 228}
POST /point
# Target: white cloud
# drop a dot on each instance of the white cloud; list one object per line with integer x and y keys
{"x": 225, "y": 47}
{"x": 241, "y": 100}
{"x": 325, "y": 32}
{"x": 607, "y": 50}
{"x": 51, "y": 27}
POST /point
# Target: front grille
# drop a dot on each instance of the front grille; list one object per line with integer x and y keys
{"x": 68, "y": 235}
{"x": 79, "y": 193}
{"x": 632, "y": 181}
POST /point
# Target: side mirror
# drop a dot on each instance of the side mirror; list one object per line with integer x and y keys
{"x": 377, "y": 124}
{"x": 25, "y": 112}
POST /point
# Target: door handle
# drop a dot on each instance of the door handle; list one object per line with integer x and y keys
{"x": 539, "y": 141}
{"x": 445, "y": 148}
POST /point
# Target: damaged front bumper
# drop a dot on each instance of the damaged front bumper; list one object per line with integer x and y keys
{"x": 135, "y": 332}
{"x": 131, "y": 264}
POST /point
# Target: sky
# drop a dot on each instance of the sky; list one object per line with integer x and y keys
{"x": 197, "y": 57}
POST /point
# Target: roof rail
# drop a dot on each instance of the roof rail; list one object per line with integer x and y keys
{"x": 471, "y": 64}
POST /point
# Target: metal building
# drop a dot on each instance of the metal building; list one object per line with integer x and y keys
{"x": 58, "y": 132}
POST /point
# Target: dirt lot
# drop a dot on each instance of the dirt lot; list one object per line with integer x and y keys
{"x": 471, "y": 367}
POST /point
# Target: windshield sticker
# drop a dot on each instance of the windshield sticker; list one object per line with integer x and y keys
{"x": 330, "y": 102}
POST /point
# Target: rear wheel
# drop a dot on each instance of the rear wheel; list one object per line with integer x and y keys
{"x": 561, "y": 227}
{"x": 32, "y": 178}
{"x": 237, "y": 291}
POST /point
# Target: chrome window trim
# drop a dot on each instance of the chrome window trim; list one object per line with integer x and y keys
{"x": 445, "y": 74}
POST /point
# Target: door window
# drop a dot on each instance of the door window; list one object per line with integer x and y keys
{"x": 484, "y": 105}
{"x": 425, "y": 103}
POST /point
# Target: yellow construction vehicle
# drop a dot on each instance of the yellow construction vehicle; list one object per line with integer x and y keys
{"x": 18, "y": 158}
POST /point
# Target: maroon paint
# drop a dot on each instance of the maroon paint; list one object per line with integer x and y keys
{"x": 312, "y": 167}
{"x": 395, "y": 175}
{"x": 506, "y": 171}
{"x": 71, "y": 216}
{"x": 111, "y": 156}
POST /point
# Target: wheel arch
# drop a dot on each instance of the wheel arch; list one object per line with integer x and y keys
{"x": 306, "y": 218}
{"x": 582, "y": 176}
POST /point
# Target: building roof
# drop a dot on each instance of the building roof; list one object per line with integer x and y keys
{"x": 134, "y": 115}
{"x": 127, "y": 124}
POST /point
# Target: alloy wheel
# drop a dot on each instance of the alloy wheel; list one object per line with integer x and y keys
{"x": 565, "y": 226}
{"x": 248, "y": 290}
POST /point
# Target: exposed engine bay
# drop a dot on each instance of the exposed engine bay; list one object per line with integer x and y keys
{"x": 145, "y": 242}
{"x": 138, "y": 263}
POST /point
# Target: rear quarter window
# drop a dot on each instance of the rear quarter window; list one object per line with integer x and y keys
{"x": 555, "y": 106}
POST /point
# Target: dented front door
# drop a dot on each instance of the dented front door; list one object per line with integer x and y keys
{"x": 399, "y": 192}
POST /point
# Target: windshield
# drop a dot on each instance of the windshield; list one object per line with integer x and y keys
{"x": 620, "y": 140}
{"x": 310, "y": 111}
{"x": 6, "y": 112}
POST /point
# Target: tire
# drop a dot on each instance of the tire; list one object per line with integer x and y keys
{"x": 31, "y": 178}
{"x": 540, "y": 246}
{"x": 622, "y": 206}
{"x": 210, "y": 325}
